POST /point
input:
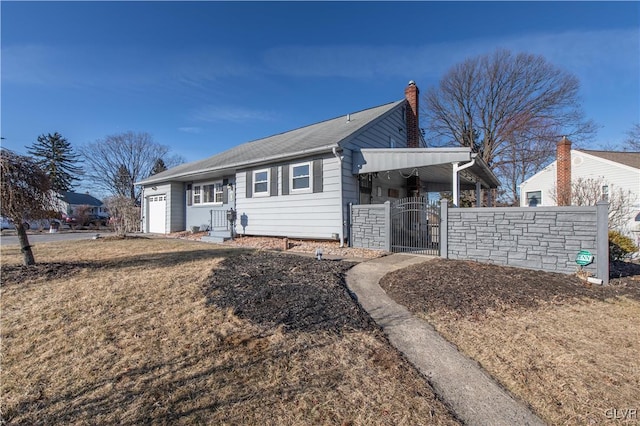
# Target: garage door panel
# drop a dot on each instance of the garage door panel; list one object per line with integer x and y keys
{"x": 158, "y": 214}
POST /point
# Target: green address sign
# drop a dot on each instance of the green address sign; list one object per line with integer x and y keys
{"x": 584, "y": 258}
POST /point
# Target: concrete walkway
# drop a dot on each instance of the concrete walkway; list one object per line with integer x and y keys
{"x": 473, "y": 395}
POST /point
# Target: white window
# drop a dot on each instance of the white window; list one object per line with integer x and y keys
{"x": 605, "y": 193}
{"x": 209, "y": 193}
{"x": 261, "y": 182}
{"x": 301, "y": 177}
{"x": 392, "y": 142}
{"x": 534, "y": 198}
{"x": 196, "y": 195}
{"x": 212, "y": 193}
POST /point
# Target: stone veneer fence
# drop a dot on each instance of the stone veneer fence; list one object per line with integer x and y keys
{"x": 541, "y": 238}
{"x": 370, "y": 226}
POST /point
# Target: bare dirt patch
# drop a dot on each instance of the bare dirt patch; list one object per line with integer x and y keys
{"x": 567, "y": 348}
{"x": 158, "y": 331}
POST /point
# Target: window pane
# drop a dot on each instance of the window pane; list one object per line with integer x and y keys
{"x": 261, "y": 182}
{"x": 219, "y": 192}
{"x": 301, "y": 183}
{"x": 196, "y": 195}
{"x": 534, "y": 198}
{"x": 299, "y": 171}
{"x": 209, "y": 193}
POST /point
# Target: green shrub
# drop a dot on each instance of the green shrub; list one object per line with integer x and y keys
{"x": 620, "y": 246}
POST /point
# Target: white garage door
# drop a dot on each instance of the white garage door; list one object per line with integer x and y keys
{"x": 158, "y": 214}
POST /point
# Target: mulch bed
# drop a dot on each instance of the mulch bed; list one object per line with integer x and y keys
{"x": 297, "y": 292}
{"x": 468, "y": 289}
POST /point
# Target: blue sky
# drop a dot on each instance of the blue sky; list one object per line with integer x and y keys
{"x": 202, "y": 77}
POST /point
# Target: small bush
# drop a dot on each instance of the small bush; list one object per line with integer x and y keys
{"x": 620, "y": 246}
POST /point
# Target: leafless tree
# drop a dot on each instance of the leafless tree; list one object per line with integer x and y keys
{"x": 633, "y": 138}
{"x": 125, "y": 215}
{"x": 116, "y": 162}
{"x": 25, "y": 194}
{"x": 588, "y": 191}
{"x": 511, "y": 109}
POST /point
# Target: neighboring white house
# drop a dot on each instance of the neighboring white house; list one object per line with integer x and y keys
{"x": 615, "y": 172}
{"x": 300, "y": 183}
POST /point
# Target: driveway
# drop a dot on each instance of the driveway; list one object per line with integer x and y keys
{"x": 44, "y": 237}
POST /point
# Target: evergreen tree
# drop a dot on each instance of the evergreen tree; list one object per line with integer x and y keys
{"x": 158, "y": 167}
{"x": 56, "y": 157}
{"x": 123, "y": 183}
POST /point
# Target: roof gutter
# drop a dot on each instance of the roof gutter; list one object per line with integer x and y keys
{"x": 456, "y": 178}
{"x": 257, "y": 162}
{"x": 334, "y": 150}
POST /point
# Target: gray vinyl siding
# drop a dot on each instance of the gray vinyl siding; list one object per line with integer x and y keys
{"x": 378, "y": 135}
{"x": 174, "y": 218}
{"x": 200, "y": 214}
{"x": 349, "y": 180}
{"x": 296, "y": 215}
{"x": 175, "y": 206}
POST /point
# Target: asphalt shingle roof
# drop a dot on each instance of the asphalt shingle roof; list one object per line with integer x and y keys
{"x": 79, "y": 199}
{"x": 631, "y": 159}
{"x": 325, "y": 134}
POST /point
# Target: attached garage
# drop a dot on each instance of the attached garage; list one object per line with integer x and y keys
{"x": 157, "y": 208}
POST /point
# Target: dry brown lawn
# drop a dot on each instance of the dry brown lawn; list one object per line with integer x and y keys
{"x": 572, "y": 352}
{"x": 128, "y": 332}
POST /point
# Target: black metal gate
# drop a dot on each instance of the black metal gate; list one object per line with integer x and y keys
{"x": 415, "y": 226}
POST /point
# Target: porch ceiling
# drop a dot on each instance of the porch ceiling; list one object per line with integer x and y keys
{"x": 432, "y": 165}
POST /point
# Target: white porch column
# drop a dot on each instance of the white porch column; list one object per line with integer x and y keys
{"x": 456, "y": 185}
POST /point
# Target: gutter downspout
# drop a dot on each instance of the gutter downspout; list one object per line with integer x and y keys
{"x": 341, "y": 234}
{"x": 456, "y": 179}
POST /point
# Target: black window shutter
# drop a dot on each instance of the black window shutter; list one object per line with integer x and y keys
{"x": 285, "y": 179}
{"x": 274, "y": 181}
{"x": 249, "y": 184}
{"x": 189, "y": 197}
{"x": 317, "y": 176}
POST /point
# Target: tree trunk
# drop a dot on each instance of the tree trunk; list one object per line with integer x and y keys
{"x": 25, "y": 248}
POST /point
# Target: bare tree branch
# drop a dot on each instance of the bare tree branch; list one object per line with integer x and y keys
{"x": 511, "y": 109}
{"x": 633, "y": 138}
{"x": 116, "y": 162}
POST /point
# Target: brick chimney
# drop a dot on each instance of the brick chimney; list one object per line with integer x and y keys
{"x": 413, "y": 132}
{"x": 563, "y": 169}
{"x": 413, "y": 125}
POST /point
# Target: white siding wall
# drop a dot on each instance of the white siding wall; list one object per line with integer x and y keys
{"x": 586, "y": 166}
{"x": 544, "y": 181}
{"x": 308, "y": 215}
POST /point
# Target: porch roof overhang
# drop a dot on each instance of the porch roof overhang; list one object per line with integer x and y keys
{"x": 433, "y": 165}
